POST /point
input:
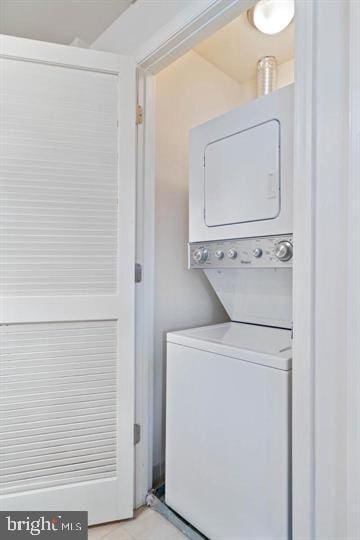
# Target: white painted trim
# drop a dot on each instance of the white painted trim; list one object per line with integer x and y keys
{"x": 52, "y": 53}
{"x": 192, "y": 25}
{"x": 303, "y": 277}
{"x": 331, "y": 146}
{"x": 145, "y": 254}
{"x": 320, "y": 271}
{"x": 126, "y": 296}
{"x": 353, "y": 408}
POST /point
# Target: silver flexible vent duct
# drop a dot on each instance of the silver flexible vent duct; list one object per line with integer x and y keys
{"x": 266, "y": 75}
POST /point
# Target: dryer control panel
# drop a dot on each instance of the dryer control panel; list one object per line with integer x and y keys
{"x": 262, "y": 252}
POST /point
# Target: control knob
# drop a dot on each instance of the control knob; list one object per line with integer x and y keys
{"x": 257, "y": 252}
{"x": 219, "y": 254}
{"x": 200, "y": 255}
{"x": 232, "y": 253}
{"x": 284, "y": 250}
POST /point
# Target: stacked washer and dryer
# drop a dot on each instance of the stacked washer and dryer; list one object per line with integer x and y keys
{"x": 228, "y": 424}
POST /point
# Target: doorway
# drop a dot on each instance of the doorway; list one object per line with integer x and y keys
{"x": 216, "y": 76}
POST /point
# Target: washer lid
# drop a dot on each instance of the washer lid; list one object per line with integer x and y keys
{"x": 262, "y": 345}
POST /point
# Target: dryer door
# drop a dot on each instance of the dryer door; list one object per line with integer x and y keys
{"x": 242, "y": 176}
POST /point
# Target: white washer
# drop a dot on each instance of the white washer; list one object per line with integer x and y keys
{"x": 228, "y": 430}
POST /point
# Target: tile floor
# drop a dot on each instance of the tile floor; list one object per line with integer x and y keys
{"x": 147, "y": 525}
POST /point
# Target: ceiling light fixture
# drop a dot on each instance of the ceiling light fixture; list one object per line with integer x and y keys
{"x": 272, "y": 16}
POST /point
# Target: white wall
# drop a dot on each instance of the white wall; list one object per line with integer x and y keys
{"x": 189, "y": 92}
{"x": 285, "y": 73}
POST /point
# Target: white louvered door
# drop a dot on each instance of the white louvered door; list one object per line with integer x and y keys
{"x": 67, "y": 196}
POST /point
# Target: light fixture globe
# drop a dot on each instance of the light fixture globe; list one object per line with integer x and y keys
{"x": 272, "y": 16}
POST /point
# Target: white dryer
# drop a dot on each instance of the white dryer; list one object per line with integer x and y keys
{"x": 241, "y": 171}
{"x": 228, "y": 430}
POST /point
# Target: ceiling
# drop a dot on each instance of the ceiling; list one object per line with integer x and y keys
{"x": 59, "y": 21}
{"x": 236, "y": 48}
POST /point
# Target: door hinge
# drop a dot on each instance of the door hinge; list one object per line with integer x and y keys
{"x": 137, "y": 433}
{"x": 138, "y": 273}
{"x": 139, "y": 115}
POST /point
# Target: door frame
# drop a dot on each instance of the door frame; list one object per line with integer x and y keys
{"x": 353, "y": 403}
{"x": 311, "y": 504}
{"x": 144, "y": 290}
